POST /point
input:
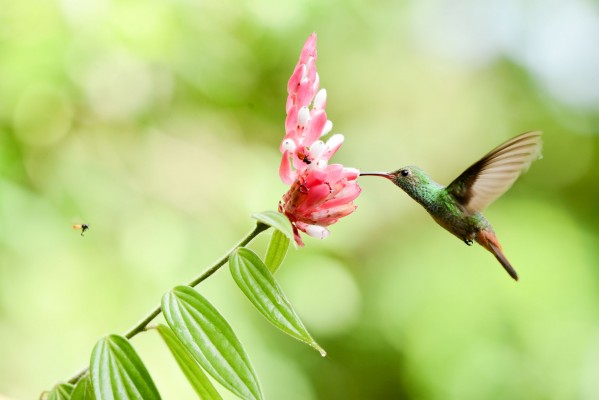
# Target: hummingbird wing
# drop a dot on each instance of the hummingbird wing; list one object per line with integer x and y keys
{"x": 491, "y": 176}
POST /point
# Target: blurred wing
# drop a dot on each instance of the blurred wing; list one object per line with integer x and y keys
{"x": 494, "y": 174}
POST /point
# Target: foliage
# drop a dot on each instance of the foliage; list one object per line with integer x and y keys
{"x": 199, "y": 337}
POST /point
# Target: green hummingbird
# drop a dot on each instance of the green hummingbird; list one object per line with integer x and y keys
{"x": 458, "y": 207}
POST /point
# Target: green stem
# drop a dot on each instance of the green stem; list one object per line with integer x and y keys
{"x": 141, "y": 325}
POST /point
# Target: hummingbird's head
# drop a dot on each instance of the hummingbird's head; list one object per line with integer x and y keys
{"x": 407, "y": 178}
{"x": 413, "y": 181}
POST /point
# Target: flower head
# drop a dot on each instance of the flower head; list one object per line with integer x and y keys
{"x": 318, "y": 198}
{"x": 320, "y": 193}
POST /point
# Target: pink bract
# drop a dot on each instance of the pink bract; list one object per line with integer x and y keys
{"x": 320, "y": 194}
{"x": 306, "y": 119}
{"x": 318, "y": 198}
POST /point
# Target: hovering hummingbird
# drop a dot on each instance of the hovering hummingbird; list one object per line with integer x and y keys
{"x": 458, "y": 207}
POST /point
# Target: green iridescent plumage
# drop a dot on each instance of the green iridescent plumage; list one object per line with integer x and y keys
{"x": 458, "y": 206}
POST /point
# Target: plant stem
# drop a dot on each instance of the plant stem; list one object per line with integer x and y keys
{"x": 141, "y": 325}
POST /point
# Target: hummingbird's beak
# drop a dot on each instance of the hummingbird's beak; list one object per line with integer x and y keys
{"x": 381, "y": 174}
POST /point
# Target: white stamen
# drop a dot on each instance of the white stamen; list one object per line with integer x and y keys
{"x": 318, "y": 232}
{"x": 316, "y": 149}
{"x": 335, "y": 141}
{"x": 351, "y": 171}
{"x": 328, "y": 126}
{"x": 289, "y": 145}
{"x": 304, "y": 74}
{"x": 320, "y": 101}
{"x": 303, "y": 116}
{"x": 322, "y": 163}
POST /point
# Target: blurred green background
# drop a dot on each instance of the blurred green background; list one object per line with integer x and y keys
{"x": 158, "y": 123}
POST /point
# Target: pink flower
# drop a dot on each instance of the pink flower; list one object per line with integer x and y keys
{"x": 320, "y": 193}
{"x": 304, "y": 125}
{"x": 318, "y": 198}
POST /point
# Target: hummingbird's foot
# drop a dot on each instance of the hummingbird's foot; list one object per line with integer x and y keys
{"x": 468, "y": 242}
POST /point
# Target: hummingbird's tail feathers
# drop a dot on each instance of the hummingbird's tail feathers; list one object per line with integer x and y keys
{"x": 489, "y": 241}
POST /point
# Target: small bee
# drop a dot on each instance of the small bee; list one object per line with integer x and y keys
{"x": 304, "y": 157}
{"x": 83, "y": 227}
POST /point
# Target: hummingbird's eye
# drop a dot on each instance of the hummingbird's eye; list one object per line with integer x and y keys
{"x": 404, "y": 172}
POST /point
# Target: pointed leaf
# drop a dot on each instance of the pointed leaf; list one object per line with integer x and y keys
{"x": 62, "y": 391}
{"x": 190, "y": 367}
{"x": 277, "y": 221}
{"x": 118, "y": 373}
{"x": 255, "y": 280}
{"x": 277, "y": 249}
{"x": 83, "y": 390}
{"x": 211, "y": 341}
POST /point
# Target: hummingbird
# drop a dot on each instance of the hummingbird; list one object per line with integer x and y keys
{"x": 458, "y": 206}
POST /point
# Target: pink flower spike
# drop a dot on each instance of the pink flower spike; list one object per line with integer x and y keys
{"x": 319, "y": 194}
{"x": 302, "y": 125}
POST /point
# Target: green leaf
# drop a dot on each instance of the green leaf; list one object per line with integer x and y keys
{"x": 190, "y": 367}
{"x": 210, "y": 340}
{"x": 277, "y": 221}
{"x": 62, "y": 391}
{"x": 118, "y": 373}
{"x": 255, "y": 280}
{"x": 277, "y": 249}
{"x": 83, "y": 390}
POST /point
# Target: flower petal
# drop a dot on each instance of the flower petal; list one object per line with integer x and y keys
{"x": 303, "y": 116}
{"x": 304, "y": 93}
{"x": 316, "y": 149}
{"x": 346, "y": 195}
{"x": 317, "y": 123}
{"x": 333, "y": 145}
{"x": 328, "y": 126}
{"x": 320, "y": 101}
{"x": 288, "y": 145}
{"x": 333, "y": 213}
{"x": 309, "y": 49}
{"x": 285, "y": 172}
{"x": 291, "y": 124}
{"x": 315, "y": 196}
{"x": 295, "y": 79}
{"x": 318, "y": 232}
{"x": 351, "y": 173}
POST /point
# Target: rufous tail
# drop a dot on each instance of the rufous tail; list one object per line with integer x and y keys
{"x": 489, "y": 241}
